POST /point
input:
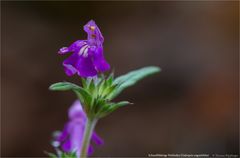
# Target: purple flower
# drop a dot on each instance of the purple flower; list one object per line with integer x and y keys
{"x": 70, "y": 139}
{"x": 87, "y": 58}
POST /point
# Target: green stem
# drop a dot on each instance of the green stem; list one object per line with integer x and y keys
{"x": 87, "y": 136}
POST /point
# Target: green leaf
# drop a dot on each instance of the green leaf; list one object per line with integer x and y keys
{"x": 63, "y": 86}
{"x": 82, "y": 94}
{"x": 119, "y": 104}
{"x": 132, "y": 78}
{"x": 109, "y": 108}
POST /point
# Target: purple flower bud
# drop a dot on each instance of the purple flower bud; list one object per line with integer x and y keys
{"x": 87, "y": 58}
{"x": 71, "y": 137}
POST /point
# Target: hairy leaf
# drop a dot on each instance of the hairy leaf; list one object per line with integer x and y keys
{"x": 107, "y": 109}
{"x": 63, "y": 86}
{"x": 132, "y": 78}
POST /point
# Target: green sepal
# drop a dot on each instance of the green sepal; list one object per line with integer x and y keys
{"x": 100, "y": 86}
{"x": 91, "y": 86}
{"x": 109, "y": 90}
{"x": 84, "y": 83}
{"x": 104, "y": 87}
{"x": 84, "y": 97}
{"x": 98, "y": 104}
{"x": 51, "y": 155}
{"x": 110, "y": 79}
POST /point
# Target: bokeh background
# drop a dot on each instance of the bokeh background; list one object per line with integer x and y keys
{"x": 190, "y": 107}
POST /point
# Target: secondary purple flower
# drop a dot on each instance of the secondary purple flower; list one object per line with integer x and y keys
{"x": 87, "y": 58}
{"x": 70, "y": 139}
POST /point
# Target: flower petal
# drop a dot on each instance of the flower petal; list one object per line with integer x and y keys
{"x": 85, "y": 67}
{"x": 76, "y": 135}
{"x": 76, "y": 46}
{"x": 90, "y": 150}
{"x": 63, "y": 50}
{"x": 71, "y": 138}
{"x": 99, "y": 61}
{"x": 73, "y": 47}
{"x": 63, "y": 135}
{"x": 97, "y": 139}
{"x": 69, "y": 64}
{"x": 93, "y": 31}
{"x": 76, "y": 111}
{"x": 66, "y": 146}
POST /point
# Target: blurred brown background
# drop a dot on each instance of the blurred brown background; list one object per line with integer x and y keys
{"x": 190, "y": 107}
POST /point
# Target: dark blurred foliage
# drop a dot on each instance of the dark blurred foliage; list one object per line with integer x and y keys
{"x": 190, "y": 107}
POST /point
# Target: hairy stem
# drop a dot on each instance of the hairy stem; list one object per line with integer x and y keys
{"x": 87, "y": 136}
